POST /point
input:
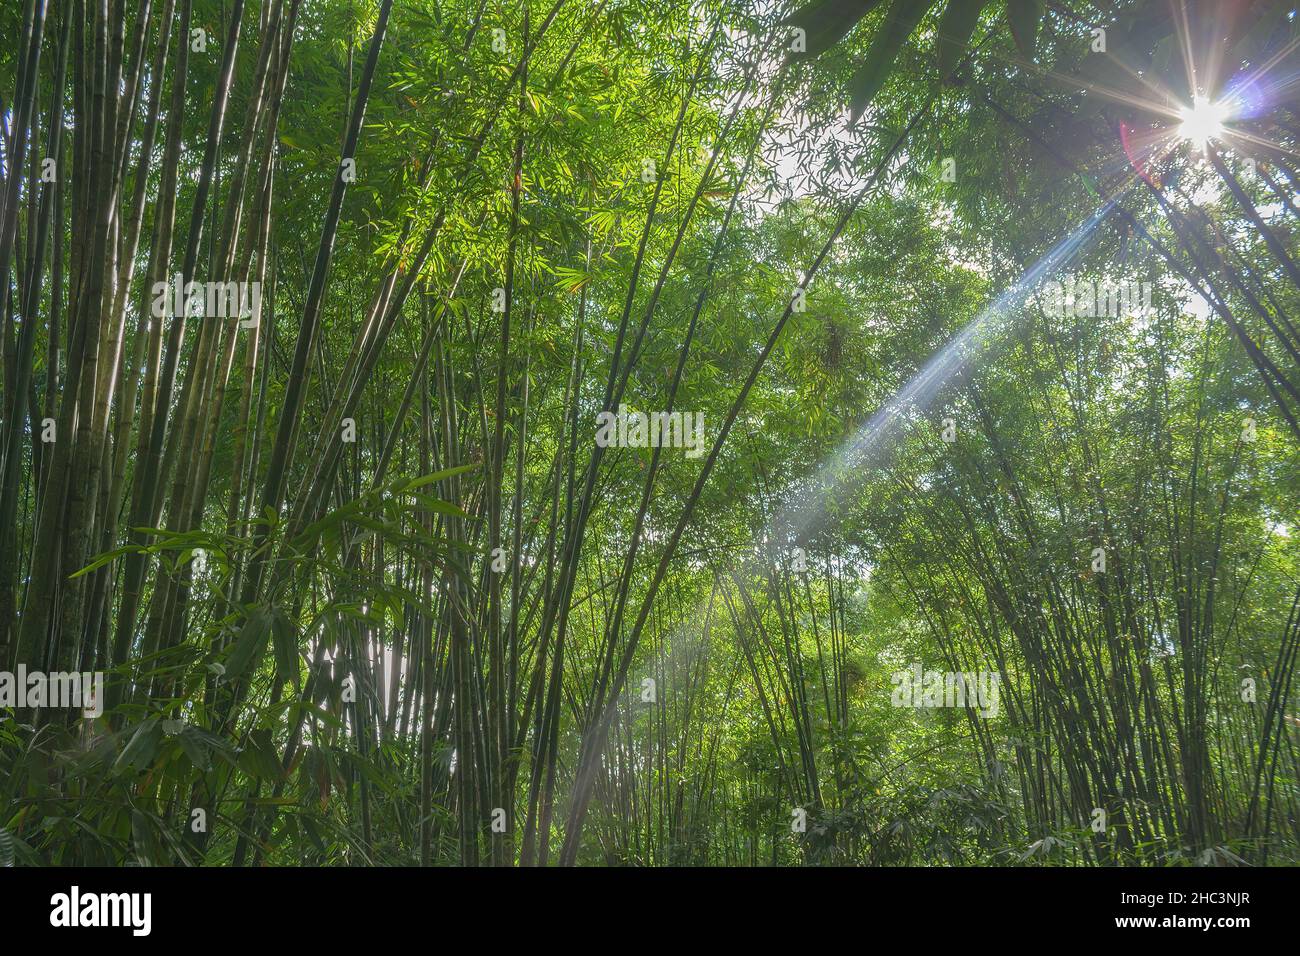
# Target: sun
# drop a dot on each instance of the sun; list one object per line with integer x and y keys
{"x": 1202, "y": 121}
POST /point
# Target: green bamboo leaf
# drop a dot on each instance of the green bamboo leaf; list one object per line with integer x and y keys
{"x": 194, "y": 748}
{"x": 956, "y": 26}
{"x": 1023, "y": 16}
{"x": 251, "y": 643}
{"x": 259, "y": 758}
{"x": 826, "y": 22}
{"x": 900, "y": 21}
{"x": 143, "y": 746}
{"x": 313, "y": 832}
{"x": 286, "y": 648}
{"x": 103, "y": 559}
{"x": 435, "y": 476}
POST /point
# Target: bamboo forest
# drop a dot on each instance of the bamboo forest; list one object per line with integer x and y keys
{"x": 649, "y": 433}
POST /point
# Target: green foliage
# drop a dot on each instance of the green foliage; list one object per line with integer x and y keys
{"x": 453, "y": 618}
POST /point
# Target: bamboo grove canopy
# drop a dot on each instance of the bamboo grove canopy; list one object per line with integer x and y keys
{"x": 649, "y": 432}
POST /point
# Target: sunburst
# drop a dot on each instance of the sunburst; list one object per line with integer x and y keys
{"x": 1203, "y": 121}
